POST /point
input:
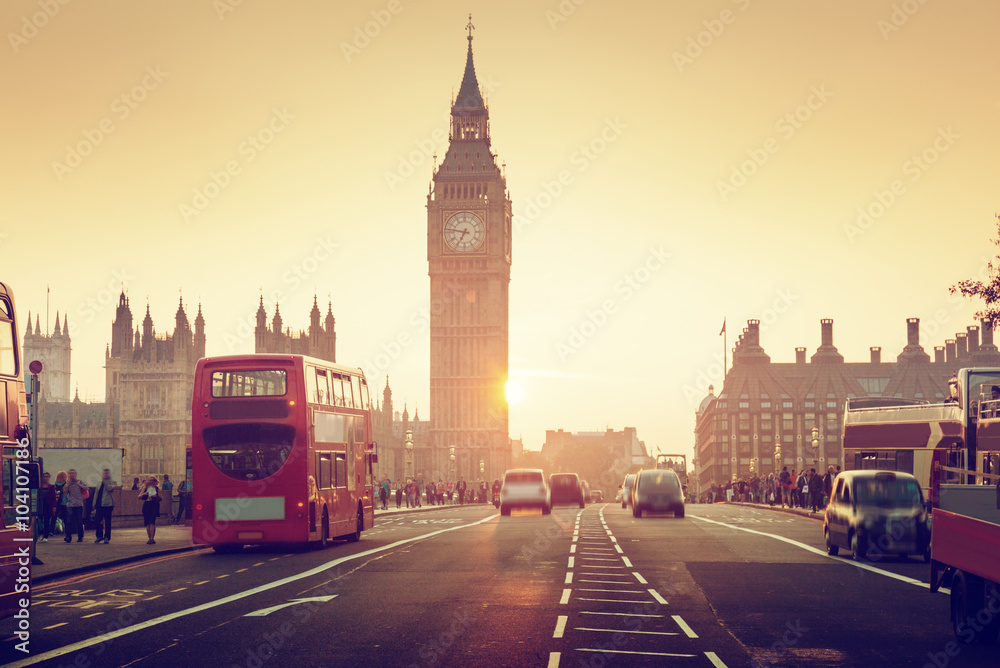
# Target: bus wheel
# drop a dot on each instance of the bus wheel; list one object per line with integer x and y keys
{"x": 356, "y": 536}
{"x": 325, "y": 534}
{"x": 227, "y": 548}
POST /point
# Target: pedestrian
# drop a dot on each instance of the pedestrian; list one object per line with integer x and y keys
{"x": 460, "y": 490}
{"x": 183, "y": 490}
{"x": 440, "y": 492}
{"x": 801, "y": 487}
{"x": 62, "y": 517}
{"x": 135, "y": 483}
{"x": 383, "y": 493}
{"x": 431, "y": 492}
{"x": 75, "y": 492}
{"x": 828, "y": 485}
{"x": 815, "y": 489}
{"x": 399, "y": 493}
{"x": 785, "y": 482}
{"x": 47, "y": 504}
{"x": 168, "y": 488}
{"x": 104, "y": 505}
{"x": 150, "y": 507}
{"x": 451, "y": 492}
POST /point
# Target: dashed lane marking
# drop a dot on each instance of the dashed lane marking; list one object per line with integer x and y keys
{"x": 659, "y": 599}
{"x": 626, "y": 561}
{"x": 174, "y": 591}
{"x": 611, "y": 600}
{"x": 716, "y": 661}
{"x": 651, "y": 633}
{"x": 565, "y": 596}
{"x": 639, "y": 577}
{"x": 95, "y": 614}
{"x": 569, "y": 578}
{"x": 684, "y": 627}
{"x": 560, "y": 626}
{"x": 55, "y": 626}
{"x": 553, "y": 660}
{"x": 625, "y": 651}
{"x": 620, "y": 614}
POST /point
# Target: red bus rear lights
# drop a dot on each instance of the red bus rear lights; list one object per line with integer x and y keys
{"x": 302, "y": 504}
{"x": 291, "y": 402}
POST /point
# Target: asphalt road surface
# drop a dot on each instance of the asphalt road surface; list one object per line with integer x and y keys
{"x": 724, "y": 586}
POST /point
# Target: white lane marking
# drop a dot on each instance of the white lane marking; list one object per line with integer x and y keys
{"x": 716, "y": 661}
{"x": 659, "y": 599}
{"x": 613, "y": 591}
{"x": 596, "y": 559}
{"x": 638, "y": 577}
{"x": 295, "y": 601}
{"x": 317, "y": 570}
{"x": 569, "y": 578}
{"x": 565, "y": 597}
{"x": 574, "y": 539}
{"x": 610, "y": 582}
{"x": 618, "y": 549}
{"x": 684, "y": 627}
{"x": 623, "y": 651}
{"x": 611, "y": 600}
{"x": 822, "y": 553}
{"x": 572, "y": 549}
{"x": 553, "y": 660}
{"x": 571, "y": 561}
{"x": 627, "y": 562}
{"x": 651, "y": 633}
{"x": 560, "y": 626}
{"x": 619, "y": 614}
{"x": 607, "y": 575}
{"x": 614, "y": 540}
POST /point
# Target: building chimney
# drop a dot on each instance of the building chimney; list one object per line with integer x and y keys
{"x": 913, "y": 332}
{"x": 987, "y": 336}
{"x": 961, "y": 345}
{"x": 876, "y": 354}
{"x": 973, "y": 339}
{"x": 950, "y": 350}
{"x": 938, "y": 354}
{"x": 800, "y": 355}
{"x": 826, "y": 332}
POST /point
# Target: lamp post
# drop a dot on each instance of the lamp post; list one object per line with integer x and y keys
{"x": 451, "y": 463}
{"x": 777, "y": 457}
{"x": 408, "y": 444}
{"x": 815, "y": 446}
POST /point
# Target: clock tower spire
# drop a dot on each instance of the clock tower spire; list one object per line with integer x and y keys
{"x": 469, "y": 259}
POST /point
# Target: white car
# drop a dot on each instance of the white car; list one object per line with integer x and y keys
{"x": 524, "y": 488}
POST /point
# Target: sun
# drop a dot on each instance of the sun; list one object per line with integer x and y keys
{"x": 514, "y": 392}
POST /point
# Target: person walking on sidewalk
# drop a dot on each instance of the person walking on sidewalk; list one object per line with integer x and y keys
{"x": 182, "y": 496}
{"x": 47, "y": 507}
{"x": 150, "y": 507}
{"x": 61, "y": 513}
{"x": 75, "y": 492}
{"x": 104, "y": 505}
{"x": 168, "y": 489}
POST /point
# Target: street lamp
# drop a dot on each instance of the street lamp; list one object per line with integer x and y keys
{"x": 451, "y": 462}
{"x": 408, "y": 444}
{"x": 815, "y": 446}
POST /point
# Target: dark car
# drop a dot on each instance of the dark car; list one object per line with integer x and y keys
{"x": 657, "y": 491}
{"x": 566, "y": 488}
{"x": 626, "y": 490}
{"x": 877, "y": 512}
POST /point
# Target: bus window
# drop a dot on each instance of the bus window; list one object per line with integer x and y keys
{"x": 356, "y": 382}
{"x": 249, "y": 451}
{"x": 324, "y": 470}
{"x": 340, "y": 470}
{"x": 348, "y": 395}
{"x": 338, "y": 389}
{"x": 8, "y": 358}
{"x": 322, "y": 387}
{"x": 365, "y": 401}
{"x": 249, "y": 383}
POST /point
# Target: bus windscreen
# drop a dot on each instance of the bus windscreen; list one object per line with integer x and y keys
{"x": 249, "y": 383}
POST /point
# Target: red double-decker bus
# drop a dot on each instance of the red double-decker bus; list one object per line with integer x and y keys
{"x": 281, "y": 451}
{"x": 16, "y": 546}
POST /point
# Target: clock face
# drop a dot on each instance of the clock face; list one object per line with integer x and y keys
{"x": 464, "y": 232}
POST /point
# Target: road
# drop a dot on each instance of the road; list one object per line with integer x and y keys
{"x": 724, "y": 586}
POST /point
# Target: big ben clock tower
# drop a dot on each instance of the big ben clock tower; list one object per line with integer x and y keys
{"x": 469, "y": 256}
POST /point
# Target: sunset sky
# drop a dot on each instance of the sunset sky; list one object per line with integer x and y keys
{"x": 671, "y": 164}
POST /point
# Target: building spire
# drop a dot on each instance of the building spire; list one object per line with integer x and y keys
{"x": 469, "y": 98}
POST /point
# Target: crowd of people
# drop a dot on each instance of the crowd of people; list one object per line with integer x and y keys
{"x": 414, "y": 491}
{"x": 806, "y": 489}
{"x": 64, "y": 506}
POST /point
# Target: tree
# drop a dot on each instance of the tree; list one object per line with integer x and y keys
{"x": 989, "y": 292}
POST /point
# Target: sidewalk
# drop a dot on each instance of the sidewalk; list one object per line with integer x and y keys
{"x": 802, "y": 512}
{"x": 63, "y": 559}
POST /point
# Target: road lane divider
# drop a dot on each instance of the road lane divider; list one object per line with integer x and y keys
{"x": 822, "y": 553}
{"x": 312, "y": 572}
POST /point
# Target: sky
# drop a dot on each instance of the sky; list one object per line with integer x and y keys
{"x": 672, "y": 165}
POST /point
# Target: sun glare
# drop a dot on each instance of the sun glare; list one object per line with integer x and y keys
{"x": 514, "y": 392}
